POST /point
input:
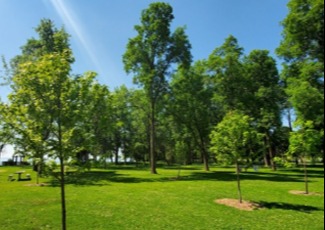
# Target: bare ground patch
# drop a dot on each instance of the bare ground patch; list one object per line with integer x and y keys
{"x": 245, "y": 205}
{"x": 297, "y": 192}
{"x": 36, "y": 185}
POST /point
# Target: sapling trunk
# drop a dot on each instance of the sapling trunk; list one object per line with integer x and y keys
{"x": 238, "y": 183}
{"x": 306, "y": 176}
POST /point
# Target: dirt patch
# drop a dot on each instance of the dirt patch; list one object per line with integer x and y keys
{"x": 245, "y": 205}
{"x": 297, "y": 192}
{"x": 36, "y": 185}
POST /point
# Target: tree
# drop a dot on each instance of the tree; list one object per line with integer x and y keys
{"x": 305, "y": 143}
{"x": 302, "y": 49}
{"x": 122, "y": 117}
{"x": 5, "y": 134}
{"x": 50, "y": 40}
{"x": 41, "y": 105}
{"x": 303, "y": 34}
{"x": 95, "y": 122}
{"x": 190, "y": 105}
{"x": 151, "y": 55}
{"x": 265, "y": 97}
{"x": 41, "y": 110}
{"x": 227, "y": 75}
{"x": 231, "y": 141}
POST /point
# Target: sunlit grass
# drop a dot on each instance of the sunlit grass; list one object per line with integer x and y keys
{"x": 128, "y": 198}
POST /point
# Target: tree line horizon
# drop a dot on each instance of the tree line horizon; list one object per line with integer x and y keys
{"x": 191, "y": 97}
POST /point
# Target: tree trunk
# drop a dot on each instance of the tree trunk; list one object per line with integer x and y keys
{"x": 179, "y": 172}
{"x": 306, "y": 176}
{"x": 1, "y": 148}
{"x": 266, "y": 160}
{"x": 38, "y": 172}
{"x": 238, "y": 183}
{"x": 62, "y": 183}
{"x": 289, "y": 120}
{"x": 205, "y": 156}
{"x": 61, "y": 159}
{"x": 205, "y": 161}
{"x": 270, "y": 150}
{"x": 152, "y": 140}
{"x": 116, "y": 155}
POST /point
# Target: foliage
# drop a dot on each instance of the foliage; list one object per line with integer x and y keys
{"x": 225, "y": 66}
{"x": 232, "y": 140}
{"x": 303, "y": 31}
{"x": 302, "y": 48}
{"x": 232, "y": 137}
{"x": 191, "y": 108}
{"x": 151, "y": 55}
{"x": 305, "y": 143}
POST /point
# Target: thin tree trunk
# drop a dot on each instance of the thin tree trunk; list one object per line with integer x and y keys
{"x": 238, "y": 183}
{"x": 116, "y": 155}
{"x": 289, "y": 120}
{"x": 306, "y": 176}
{"x": 179, "y": 172}
{"x": 270, "y": 150}
{"x": 62, "y": 183}
{"x": 38, "y": 172}
{"x": 152, "y": 140}
{"x": 61, "y": 158}
{"x": 1, "y": 148}
{"x": 273, "y": 165}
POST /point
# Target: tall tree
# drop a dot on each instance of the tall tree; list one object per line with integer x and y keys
{"x": 265, "y": 97}
{"x": 190, "y": 105}
{"x": 152, "y": 54}
{"x": 227, "y": 73}
{"x": 302, "y": 48}
{"x": 303, "y": 34}
{"x": 40, "y": 109}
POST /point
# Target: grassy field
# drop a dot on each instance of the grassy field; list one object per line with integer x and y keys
{"x": 129, "y": 198}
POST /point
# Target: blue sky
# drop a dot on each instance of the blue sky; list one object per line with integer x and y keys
{"x": 100, "y": 29}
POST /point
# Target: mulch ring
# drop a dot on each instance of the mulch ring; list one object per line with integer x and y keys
{"x": 245, "y": 205}
{"x": 297, "y": 192}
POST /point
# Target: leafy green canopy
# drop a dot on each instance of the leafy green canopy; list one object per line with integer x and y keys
{"x": 232, "y": 138}
{"x": 302, "y": 48}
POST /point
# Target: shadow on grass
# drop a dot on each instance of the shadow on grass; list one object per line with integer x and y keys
{"x": 104, "y": 178}
{"x": 98, "y": 178}
{"x": 231, "y": 176}
{"x": 311, "y": 172}
{"x": 286, "y": 206}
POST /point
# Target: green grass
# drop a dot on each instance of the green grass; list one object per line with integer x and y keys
{"x": 129, "y": 198}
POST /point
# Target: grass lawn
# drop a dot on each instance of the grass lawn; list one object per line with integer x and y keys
{"x": 129, "y": 198}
